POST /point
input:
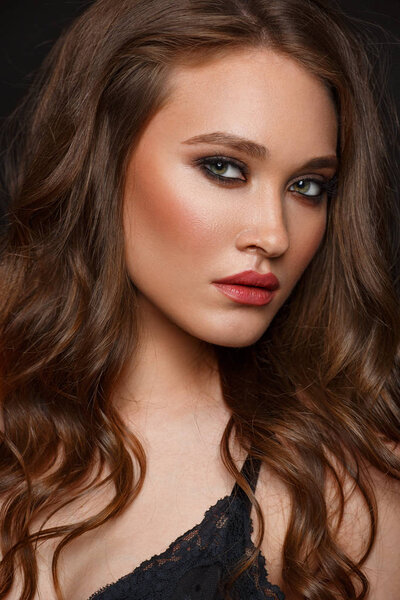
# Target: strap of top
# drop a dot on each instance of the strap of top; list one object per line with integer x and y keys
{"x": 250, "y": 471}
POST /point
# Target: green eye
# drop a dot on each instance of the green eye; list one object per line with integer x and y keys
{"x": 226, "y": 171}
{"x": 224, "y": 168}
{"x": 307, "y": 187}
{"x": 220, "y": 167}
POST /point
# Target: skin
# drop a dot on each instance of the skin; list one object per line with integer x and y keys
{"x": 184, "y": 230}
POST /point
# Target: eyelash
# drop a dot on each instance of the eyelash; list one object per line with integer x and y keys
{"x": 327, "y": 186}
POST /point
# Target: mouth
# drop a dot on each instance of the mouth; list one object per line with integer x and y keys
{"x": 253, "y": 279}
{"x": 246, "y": 294}
{"x": 249, "y": 287}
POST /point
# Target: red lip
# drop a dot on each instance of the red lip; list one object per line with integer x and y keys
{"x": 268, "y": 280}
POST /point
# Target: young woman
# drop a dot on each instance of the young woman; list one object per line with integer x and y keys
{"x": 199, "y": 320}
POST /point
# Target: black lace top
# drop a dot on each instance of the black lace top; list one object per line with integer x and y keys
{"x": 192, "y": 566}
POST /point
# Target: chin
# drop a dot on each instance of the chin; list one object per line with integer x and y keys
{"x": 234, "y": 337}
{"x": 237, "y": 342}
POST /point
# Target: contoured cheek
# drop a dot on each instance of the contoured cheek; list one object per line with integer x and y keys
{"x": 165, "y": 207}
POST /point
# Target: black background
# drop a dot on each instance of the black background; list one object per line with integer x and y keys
{"x": 28, "y": 28}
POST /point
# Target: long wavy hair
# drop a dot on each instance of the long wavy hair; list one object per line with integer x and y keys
{"x": 316, "y": 396}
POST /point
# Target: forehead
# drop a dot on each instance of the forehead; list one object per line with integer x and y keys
{"x": 256, "y": 93}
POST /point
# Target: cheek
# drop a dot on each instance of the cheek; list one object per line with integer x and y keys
{"x": 164, "y": 217}
{"x": 307, "y": 235}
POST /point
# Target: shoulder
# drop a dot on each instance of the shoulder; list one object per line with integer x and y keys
{"x": 382, "y": 567}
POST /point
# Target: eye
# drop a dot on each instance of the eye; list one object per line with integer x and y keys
{"x": 225, "y": 170}
{"x": 315, "y": 189}
{"x": 308, "y": 187}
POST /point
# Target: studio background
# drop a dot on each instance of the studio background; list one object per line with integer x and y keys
{"x": 28, "y": 29}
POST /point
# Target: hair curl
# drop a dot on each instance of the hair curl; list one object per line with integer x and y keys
{"x": 318, "y": 389}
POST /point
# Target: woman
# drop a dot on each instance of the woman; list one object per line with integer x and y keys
{"x": 200, "y": 327}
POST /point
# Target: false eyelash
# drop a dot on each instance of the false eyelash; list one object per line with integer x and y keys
{"x": 212, "y": 160}
{"x": 328, "y": 187}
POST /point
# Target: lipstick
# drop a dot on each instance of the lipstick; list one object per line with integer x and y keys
{"x": 249, "y": 287}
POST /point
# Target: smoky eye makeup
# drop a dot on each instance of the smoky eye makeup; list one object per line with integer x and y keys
{"x": 232, "y": 171}
{"x": 305, "y": 185}
{"x": 237, "y": 171}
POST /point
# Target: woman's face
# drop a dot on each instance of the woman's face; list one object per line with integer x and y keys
{"x": 184, "y": 229}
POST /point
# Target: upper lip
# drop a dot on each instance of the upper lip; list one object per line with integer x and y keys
{"x": 267, "y": 280}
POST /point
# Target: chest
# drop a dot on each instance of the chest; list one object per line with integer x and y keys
{"x": 157, "y": 517}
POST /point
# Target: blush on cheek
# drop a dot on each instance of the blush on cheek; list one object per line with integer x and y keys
{"x": 158, "y": 208}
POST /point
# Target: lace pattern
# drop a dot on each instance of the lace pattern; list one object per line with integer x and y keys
{"x": 193, "y": 564}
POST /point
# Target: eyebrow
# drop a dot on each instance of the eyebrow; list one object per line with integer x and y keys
{"x": 254, "y": 149}
{"x": 233, "y": 141}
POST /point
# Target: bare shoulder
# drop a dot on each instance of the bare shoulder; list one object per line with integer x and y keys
{"x": 382, "y": 566}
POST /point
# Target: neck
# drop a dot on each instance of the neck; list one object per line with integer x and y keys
{"x": 170, "y": 372}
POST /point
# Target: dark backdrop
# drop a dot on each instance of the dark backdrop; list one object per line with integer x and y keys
{"x": 28, "y": 29}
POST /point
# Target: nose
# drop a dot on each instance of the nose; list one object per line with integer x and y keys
{"x": 267, "y": 231}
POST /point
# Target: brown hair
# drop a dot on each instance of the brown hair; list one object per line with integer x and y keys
{"x": 319, "y": 389}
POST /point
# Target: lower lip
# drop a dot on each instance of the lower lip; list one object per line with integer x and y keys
{"x": 245, "y": 294}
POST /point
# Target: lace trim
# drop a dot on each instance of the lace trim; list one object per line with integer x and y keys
{"x": 221, "y": 538}
{"x": 161, "y": 558}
